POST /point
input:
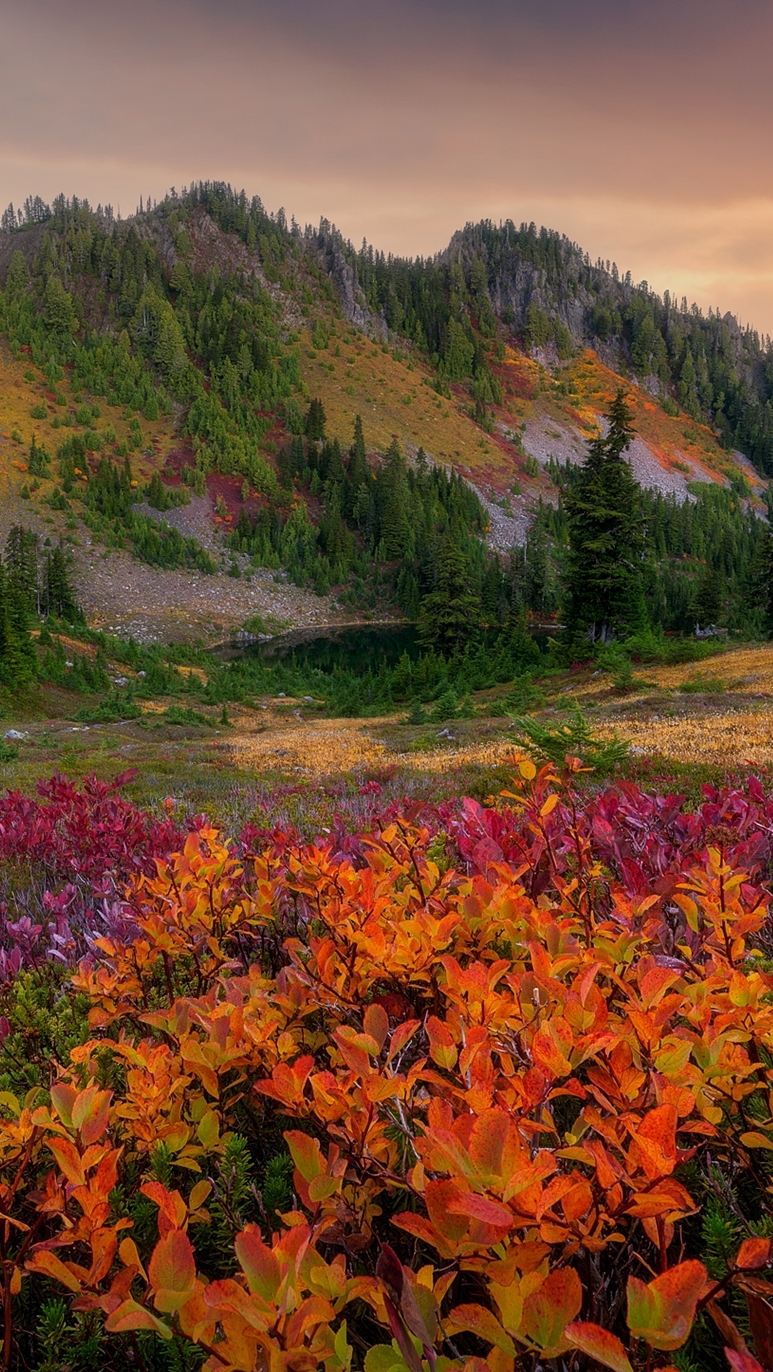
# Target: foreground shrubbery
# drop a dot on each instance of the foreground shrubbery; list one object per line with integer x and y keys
{"x": 491, "y": 1088}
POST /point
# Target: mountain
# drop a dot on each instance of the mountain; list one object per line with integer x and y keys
{"x": 164, "y": 367}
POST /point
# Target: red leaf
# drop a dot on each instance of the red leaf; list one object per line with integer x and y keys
{"x": 742, "y": 1362}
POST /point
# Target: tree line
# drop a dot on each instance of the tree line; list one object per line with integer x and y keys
{"x": 34, "y": 585}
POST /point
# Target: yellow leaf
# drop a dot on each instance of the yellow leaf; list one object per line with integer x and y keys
{"x": 755, "y": 1140}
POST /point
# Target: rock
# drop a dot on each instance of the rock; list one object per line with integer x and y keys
{"x": 14, "y": 735}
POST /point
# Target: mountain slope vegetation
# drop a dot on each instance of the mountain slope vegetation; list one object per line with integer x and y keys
{"x": 303, "y": 399}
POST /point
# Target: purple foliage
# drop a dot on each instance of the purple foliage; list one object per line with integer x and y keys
{"x": 65, "y": 860}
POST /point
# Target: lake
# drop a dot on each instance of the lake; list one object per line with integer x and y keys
{"x": 354, "y": 646}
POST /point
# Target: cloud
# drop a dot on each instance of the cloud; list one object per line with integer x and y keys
{"x": 639, "y": 129}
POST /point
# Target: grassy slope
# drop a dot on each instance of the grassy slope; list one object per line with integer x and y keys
{"x": 18, "y": 396}
{"x": 356, "y": 376}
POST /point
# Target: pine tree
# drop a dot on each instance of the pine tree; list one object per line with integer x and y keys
{"x": 17, "y": 654}
{"x": 21, "y": 563}
{"x": 760, "y": 578}
{"x": 316, "y": 421}
{"x": 605, "y": 526}
{"x": 358, "y": 467}
{"x": 707, "y": 604}
{"x": 393, "y": 492}
{"x": 59, "y": 596}
{"x": 450, "y": 613}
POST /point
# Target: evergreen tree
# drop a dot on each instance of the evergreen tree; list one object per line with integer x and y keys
{"x": 605, "y": 529}
{"x": 21, "y": 563}
{"x": 392, "y": 496}
{"x": 17, "y": 654}
{"x": 707, "y": 605}
{"x": 760, "y": 579}
{"x": 358, "y": 467}
{"x": 59, "y": 596}
{"x": 316, "y": 421}
{"x": 450, "y": 613}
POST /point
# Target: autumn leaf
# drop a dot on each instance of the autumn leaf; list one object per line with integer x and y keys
{"x": 599, "y": 1344}
{"x": 172, "y": 1271}
{"x": 662, "y": 1311}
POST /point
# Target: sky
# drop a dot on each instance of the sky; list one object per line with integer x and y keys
{"x": 640, "y": 128}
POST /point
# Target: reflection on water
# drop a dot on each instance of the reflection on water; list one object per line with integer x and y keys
{"x": 356, "y": 648}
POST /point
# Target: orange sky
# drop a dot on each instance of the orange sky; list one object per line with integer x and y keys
{"x": 642, "y": 130}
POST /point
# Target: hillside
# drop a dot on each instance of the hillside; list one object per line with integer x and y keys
{"x": 191, "y": 339}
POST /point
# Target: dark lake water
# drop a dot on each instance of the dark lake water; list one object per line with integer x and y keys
{"x": 356, "y": 648}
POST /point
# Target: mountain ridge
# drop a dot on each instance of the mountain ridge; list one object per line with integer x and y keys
{"x": 489, "y": 357}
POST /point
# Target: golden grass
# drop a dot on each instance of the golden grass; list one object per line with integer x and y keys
{"x": 18, "y": 396}
{"x": 324, "y": 747}
{"x": 750, "y": 669}
{"x": 741, "y": 669}
{"x": 727, "y": 738}
{"x": 393, "y": 401}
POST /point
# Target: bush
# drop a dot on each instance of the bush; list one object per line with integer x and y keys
{"x": 410, "y": 1094}
{"x": 114, "y": 708}
{"x": 571, "y": 739}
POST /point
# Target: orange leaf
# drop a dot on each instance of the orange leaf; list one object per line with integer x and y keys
{"x": 63, "y": 1097}
{"x": 375, "y": 1022}
{"x": 752, "y": 1254}
{"x": 130, "y": 1315}
{"x": 306, "y": 1154}
{"x": 442, "y": 1048}
{"x": 172, "y": 1271}
{"x": 90, "y": 1113}
{"x": 69, "y": 1160}
{"x": 171, "y": 1207}
{"x": 402, "y": 1035}
{"x": 662, "y": 1312}
{"x": 52, "y": 1266}
{"x": 481, "y": 1208}
{"x": 477, "y": 1320}
{"x": 599, "y": 1344}
{"x": 548, "y": 1311}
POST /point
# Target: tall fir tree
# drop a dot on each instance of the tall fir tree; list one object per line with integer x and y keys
{"x": 316, "y": 421}
{"x": 605, "y": 525}
{"x": 59, "y": 595}
{"x": 17, "y": 654}
{"x": 450, "y": 614}
{"x": 393, "y": 499}
{"x": 358, "y": 467}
